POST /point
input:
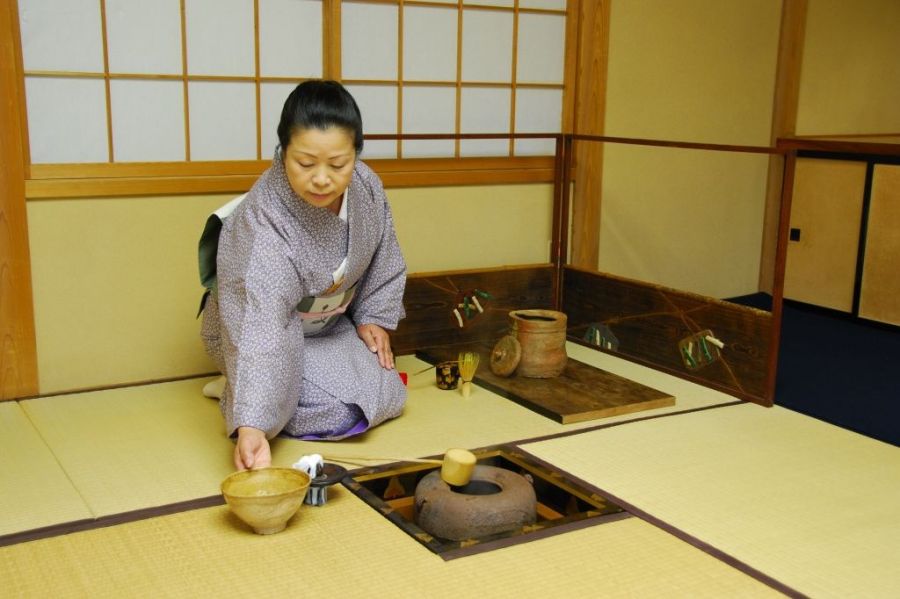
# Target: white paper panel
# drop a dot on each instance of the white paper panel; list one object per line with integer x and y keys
{"x": 220, "y": 37}
{"x": 144, "y": 37}
{"x": 429, "y": 110}
{"x": 61, "y": 36}
{"x": 542, "y": 41}
{"x": 379, "y": 149}
{"x": 290, "y": 38}
{"x": 453, "y": 2}
{"x": 484, "y": 147}
{"x": 484, "y": 110}
{"x": 538, "y": 111}
{"x": 66, "y": 120}
{"x": 147, "y": 120}
{"x": 428, "y": 148}
{"x": 378, "y": 105}
{"x": 369, "y": 41}
{"x": 546, "y": 4}
{"x": 223, "y": 120}
{"x": 271, "y": 100}
{"x": 429, "y": 44}
{"x": 487, "y": 45}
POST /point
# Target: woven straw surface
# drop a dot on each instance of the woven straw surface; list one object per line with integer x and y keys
{"x": 138, "y": 447}
{"x": 808, "y": 504}
{"x": 812, "y": 505}
{"x": 346, "y": 549}
{"x": 435, "y": 420}
{"x": 34, "y": 490}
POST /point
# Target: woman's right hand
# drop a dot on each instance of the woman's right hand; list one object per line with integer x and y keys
{"x": 252, "y": 449}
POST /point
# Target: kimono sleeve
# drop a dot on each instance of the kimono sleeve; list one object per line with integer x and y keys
{"x": 261, "y": 333}
{"x": 379, "y": 299}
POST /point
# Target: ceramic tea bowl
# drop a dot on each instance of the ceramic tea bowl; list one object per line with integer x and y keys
{"x": 266, "y": 498}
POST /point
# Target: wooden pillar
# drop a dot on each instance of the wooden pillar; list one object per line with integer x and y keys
{"x": 779, "y": 263}
{"x": 331, "y": 40}
{"x": 589, "y": 116}
{"x": 784, "y": 123}
{"x": 18, "y": 354}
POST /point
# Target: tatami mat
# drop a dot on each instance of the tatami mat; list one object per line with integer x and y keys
{"x": 136, "y": 447}
{"x": 132, "y": 448}
{"x": 34, "y": 490}
{"x": 435, "y": 420}
{"x": 346, "y": 549}
{"x": 805, "y": 503}
{"x": 814, "y": 506}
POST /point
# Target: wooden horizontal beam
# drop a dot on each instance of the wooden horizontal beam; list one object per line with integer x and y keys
{"x": 116, "y": 180}
{"x": 446, "y": 178}
{"x": 146, "y": 170}
{"x": 685, "y": 145}
{"x": 134, "y": 179}
{"x": 886, "y": 145}
{"x": 45, "y": 189}
{"x": 454, "y": 6}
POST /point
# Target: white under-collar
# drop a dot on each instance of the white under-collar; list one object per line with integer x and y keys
{"x": 342, "y": 213}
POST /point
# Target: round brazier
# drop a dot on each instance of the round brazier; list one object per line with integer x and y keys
{"x": 495, "y": 501}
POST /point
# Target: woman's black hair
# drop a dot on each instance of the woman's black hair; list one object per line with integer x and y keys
{"x": 320, "y": 104}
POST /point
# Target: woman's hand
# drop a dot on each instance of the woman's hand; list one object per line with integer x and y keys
{"x": 378, "y": 341}
{"x": 251, "y": 449}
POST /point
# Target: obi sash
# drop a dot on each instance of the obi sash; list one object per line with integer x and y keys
{"x": 318, "y": 312}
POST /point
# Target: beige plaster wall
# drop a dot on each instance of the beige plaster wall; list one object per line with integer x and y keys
{"x": 692, "y": 70}
{"x": 449, "y": 228}
{"x": 850, "y": 77}
{"x": 690, "y": 220}
{"x": 698, "y": 71}
{"x": 116, "y": 289}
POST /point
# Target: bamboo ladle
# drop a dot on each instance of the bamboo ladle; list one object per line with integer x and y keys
{"x": 456, "y": 467}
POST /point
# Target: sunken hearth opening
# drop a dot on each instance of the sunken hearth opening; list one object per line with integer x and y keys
{"x": 512, "y": 498}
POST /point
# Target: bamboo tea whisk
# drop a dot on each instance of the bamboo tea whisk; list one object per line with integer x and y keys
{"x": 468, "y": 364}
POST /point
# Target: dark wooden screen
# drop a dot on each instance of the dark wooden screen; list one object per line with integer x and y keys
{"x": 650, "y": 321}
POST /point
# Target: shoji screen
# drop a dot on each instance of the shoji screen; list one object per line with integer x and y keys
{"x": 162, "y": 80}
{"x": 448, "y": 66}
{"x": 178, "y": 81}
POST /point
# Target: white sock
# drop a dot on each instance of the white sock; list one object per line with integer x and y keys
{"x": 214, "y": 389}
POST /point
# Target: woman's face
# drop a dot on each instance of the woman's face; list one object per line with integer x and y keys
{"x": 319, "y": 165}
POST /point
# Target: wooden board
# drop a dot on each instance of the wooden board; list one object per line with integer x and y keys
{"x": 582, "y": 392}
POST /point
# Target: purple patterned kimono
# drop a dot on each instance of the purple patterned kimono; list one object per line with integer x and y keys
{"x": 275, "y": 252}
